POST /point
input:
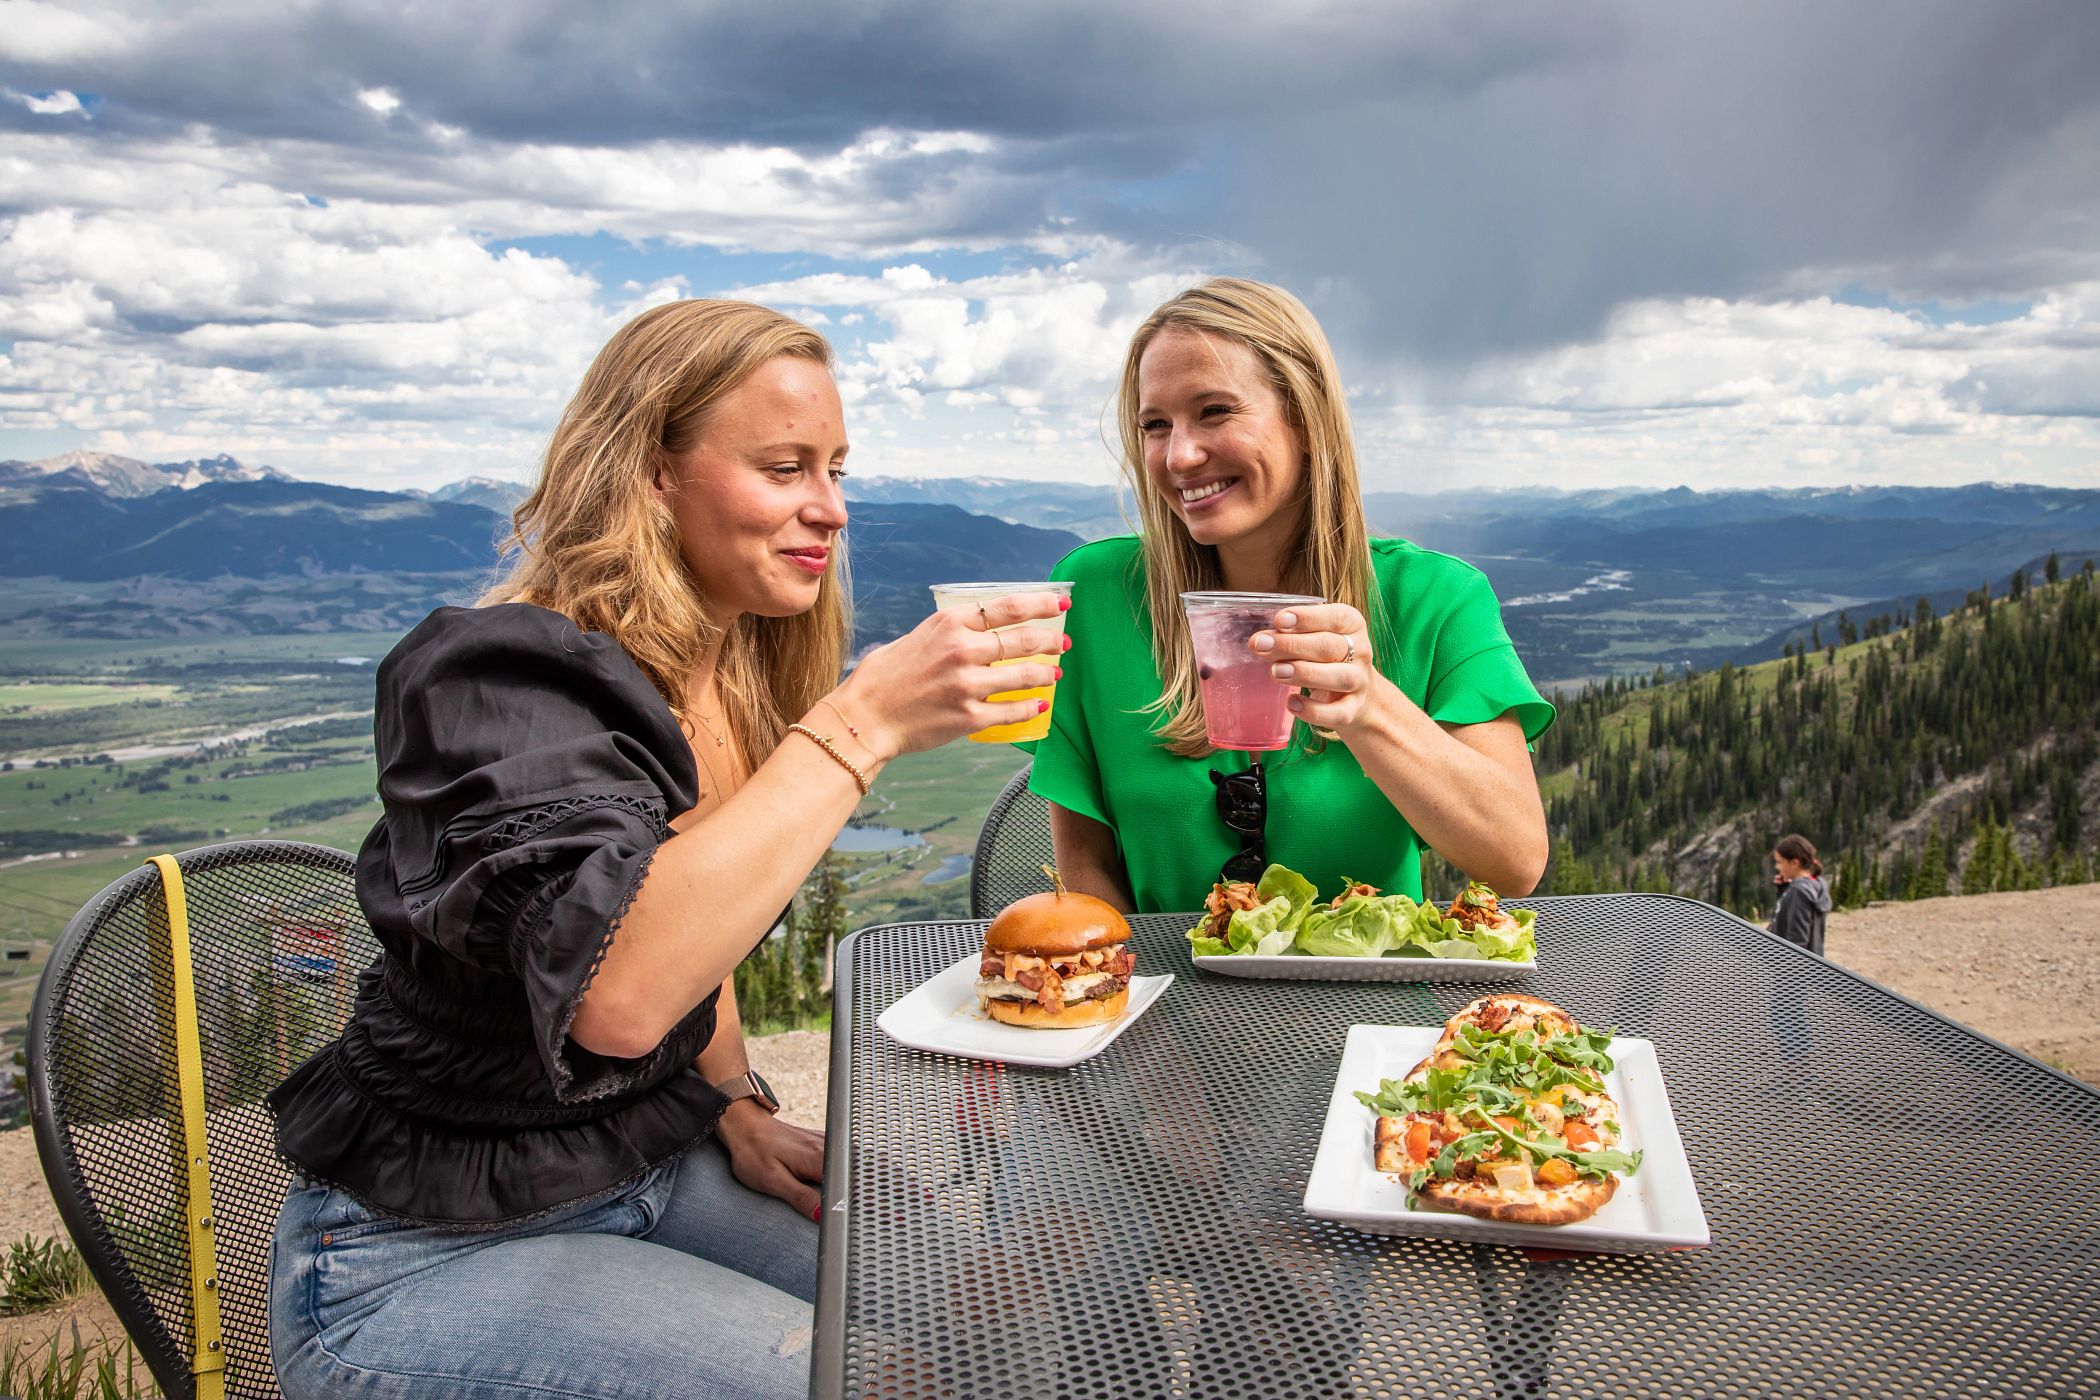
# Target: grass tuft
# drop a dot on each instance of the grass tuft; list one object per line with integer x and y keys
{"x": 40, "y": 1274}
{"x": 80, "y": 1371}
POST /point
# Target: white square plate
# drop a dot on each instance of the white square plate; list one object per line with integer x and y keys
{"x": 941, "y": 1014}
{"x": 1656, "y": 1208}
{"x": 1303, "y": 967}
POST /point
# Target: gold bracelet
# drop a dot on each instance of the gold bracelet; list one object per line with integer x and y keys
{"x": 859, "y": 778}
{"x": 850, "y": 729}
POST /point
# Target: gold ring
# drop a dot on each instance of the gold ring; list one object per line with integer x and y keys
{"x": 1000, "y": 638}
{"x": 984, "y": 619}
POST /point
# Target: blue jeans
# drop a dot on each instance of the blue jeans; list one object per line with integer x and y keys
{"x": 685, "y": 1283}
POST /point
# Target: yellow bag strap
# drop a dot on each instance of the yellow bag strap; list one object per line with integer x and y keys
{"x": 208, "y": 1361}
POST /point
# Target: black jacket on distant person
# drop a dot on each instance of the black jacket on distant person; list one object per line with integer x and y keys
{"x": 1804, "y": 907}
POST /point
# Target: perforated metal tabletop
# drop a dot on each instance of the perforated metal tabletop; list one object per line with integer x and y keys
{"x": 1899, "y": 1206}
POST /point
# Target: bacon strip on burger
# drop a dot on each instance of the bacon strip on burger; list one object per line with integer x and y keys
{"x": 1055, "y": 960}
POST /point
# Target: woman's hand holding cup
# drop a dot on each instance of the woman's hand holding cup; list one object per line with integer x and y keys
{"x": 1327, "y": 649}
{"x": 929, "y": 686}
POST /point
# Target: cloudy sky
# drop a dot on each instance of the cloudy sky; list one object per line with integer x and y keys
{"x": 1556, "y": 243}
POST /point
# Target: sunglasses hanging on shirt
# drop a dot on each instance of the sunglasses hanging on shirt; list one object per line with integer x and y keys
{"x": 1243, "y": 805}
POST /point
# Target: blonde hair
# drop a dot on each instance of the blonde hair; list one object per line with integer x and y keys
{"x": 1332, "y": 554}
{"x": 594, "y": 543}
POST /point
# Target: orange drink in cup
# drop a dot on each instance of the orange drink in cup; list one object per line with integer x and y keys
{"x": 972, "y": 595}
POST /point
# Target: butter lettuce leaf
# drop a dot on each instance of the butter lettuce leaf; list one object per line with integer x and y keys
{"x": 1282, "y": 882}
{"x": 1441, "y": 937}
{"x": 1267, "y": 930}
{"x": 1362, "y": 926}
{"x": 1258, "y": 932}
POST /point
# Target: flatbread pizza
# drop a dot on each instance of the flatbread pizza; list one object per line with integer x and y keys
{"x": 1508, "y": 1119}
{"x": 1509, "y": 1011}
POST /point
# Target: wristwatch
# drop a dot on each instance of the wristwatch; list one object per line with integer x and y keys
{"x": 749, "y": 1085}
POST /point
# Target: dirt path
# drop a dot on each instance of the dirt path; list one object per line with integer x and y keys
{"x": 2022, "y": 968}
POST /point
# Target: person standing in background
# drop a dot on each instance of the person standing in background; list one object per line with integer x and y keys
{"x": 1804, "y": 899}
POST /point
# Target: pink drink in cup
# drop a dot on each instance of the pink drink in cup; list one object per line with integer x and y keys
{"x": 1243, "y": 706}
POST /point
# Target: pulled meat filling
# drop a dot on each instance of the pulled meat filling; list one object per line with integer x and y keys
{"x": 1488, "y": 913}
{"x": 1359, "y": 888}
{"x": 1224, "y": 898}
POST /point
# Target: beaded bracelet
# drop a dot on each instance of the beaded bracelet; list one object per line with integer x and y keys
{"x": 860, "y": 779}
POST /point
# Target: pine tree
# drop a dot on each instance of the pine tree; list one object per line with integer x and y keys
{"x": 1976, "y": 877}
{"x": 2063, "y": 804}
{"x": 825, "y": 917}
{"x": 1929, "y": 880}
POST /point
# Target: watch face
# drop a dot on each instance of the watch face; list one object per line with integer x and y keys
{"x": 766, "y": 1095}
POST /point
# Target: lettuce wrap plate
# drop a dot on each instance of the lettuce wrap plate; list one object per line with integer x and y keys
{"x": 1373, "y": 938}
{"x": 1392, "y": 967}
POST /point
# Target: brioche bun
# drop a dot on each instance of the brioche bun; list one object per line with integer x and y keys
{"x": 1053, "y": 925}
{"x": 1074, "y": 1013}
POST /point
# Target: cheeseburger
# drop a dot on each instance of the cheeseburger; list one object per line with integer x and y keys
{"x": 1054, "y": 960}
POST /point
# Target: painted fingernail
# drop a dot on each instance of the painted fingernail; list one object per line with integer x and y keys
{"x": 1067, "y": 645}
{"x": 1281, "y": 671}
{"x": 1057, "y": 673}
{"x": 1064, "y": 605}
{"x": 816, "y": 1213}
{"x": 1041, "y": 706}
{"x": 1287, "y": 620}
{"x": 1263, "y": 642}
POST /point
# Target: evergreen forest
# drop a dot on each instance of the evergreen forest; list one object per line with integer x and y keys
{"x": 1923, "y": 754}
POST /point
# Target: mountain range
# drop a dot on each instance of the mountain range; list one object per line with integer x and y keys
{"x": 128, "y": 477}
{"x": 1592, "y": 582}
{"x": 252, "y": 550}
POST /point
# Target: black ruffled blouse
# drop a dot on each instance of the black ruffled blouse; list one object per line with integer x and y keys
{"x": 527, "y": 771}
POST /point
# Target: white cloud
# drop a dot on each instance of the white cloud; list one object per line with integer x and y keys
{"x": 1712, "y": 393}
{"x": 1017, "y": 337}
{"x": 51, "y": 104}
{"x": 885, "y": 193}
{"x": 37, "y": 32}
{"x": 305, "y": 268}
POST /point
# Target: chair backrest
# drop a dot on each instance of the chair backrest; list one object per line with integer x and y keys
{"x": 1012, "y": 849}
{"x": 277, "y": 942}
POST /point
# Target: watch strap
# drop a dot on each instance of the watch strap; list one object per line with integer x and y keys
{"x": 749, "y": 1086}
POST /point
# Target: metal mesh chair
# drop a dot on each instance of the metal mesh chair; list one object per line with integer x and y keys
{"x": 277, "y": 941}
{"x": 1012, "y": 849}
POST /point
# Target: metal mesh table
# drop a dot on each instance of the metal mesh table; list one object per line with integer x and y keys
{"x": 1899, "y": 1206}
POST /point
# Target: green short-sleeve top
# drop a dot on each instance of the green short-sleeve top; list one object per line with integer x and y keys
{"x": 1326, "y": 818}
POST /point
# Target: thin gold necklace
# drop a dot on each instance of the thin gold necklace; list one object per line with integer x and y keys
{"x": 708, "y": 727}
{"x": 712, "y": 776}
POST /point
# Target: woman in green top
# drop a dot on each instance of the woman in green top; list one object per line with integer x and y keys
{"x": 1416, "y": 714}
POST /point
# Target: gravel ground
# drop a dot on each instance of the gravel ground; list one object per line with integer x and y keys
{"x": 2022, "y": 968}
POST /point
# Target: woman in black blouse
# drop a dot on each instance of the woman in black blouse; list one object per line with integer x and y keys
{"x": 536, "y": 1163}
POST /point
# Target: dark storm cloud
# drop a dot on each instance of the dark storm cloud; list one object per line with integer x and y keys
{"x": 810, "y": 76}
{"x": 1443, "y": 178}
{"x": 1929, "y": 149}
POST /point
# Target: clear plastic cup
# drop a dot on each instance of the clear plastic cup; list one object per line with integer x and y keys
{"x": 1243, "y": 706}
{"x": 971, "y": 595}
